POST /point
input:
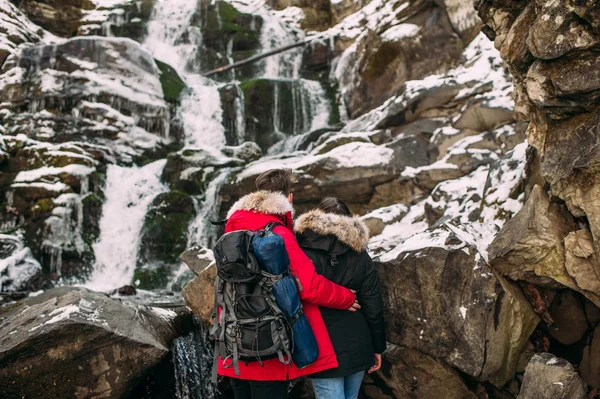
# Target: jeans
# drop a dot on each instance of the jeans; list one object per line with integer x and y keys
{"x": 244, "y": 389}
{"x": 338, "y": 388}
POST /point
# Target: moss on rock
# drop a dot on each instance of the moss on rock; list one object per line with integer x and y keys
{"x": 172, "y": 84}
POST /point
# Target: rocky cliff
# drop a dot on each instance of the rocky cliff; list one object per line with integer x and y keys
{"x": 470, "y": 159}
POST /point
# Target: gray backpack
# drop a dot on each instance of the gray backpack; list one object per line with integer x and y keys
{"x": 250, "y": 327}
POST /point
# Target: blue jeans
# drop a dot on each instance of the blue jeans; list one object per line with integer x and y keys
{"x": 338, "y": 388}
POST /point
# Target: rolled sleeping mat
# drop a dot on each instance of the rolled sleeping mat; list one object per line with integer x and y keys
{"x": 269, "y": 249}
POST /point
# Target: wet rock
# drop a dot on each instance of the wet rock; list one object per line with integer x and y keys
{"x": 164, "y": 236}
{"x": 409, "y": 373}
{"x": 443, "y": 300}
{"x": 568, "y": 313}
{"x": 126, "y": 290}
{"x": 102, "y": 346}
{"x": 548, "y": 376}
{"x": 68, "y": 92}
{"x": 17, "y": 29}
{"x": 275, "y": 109}
{"x": 191, "y": 169}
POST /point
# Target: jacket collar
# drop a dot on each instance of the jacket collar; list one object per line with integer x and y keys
{"x": 348, "y": 230}
{"x": 267, "y": 202}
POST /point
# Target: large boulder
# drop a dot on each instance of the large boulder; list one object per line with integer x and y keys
{"x": 95, "y": 90}
{"x": 19, "y": 270}
{"x": 443, "y": 300}
{"x": 548, "y": 376}
{"x": 407, "y": 373}
{"x": 60, "y": 17}
{"x": 72, "y": 342}
{"x": 540, "y": 245}
{"x": 350, "y": 172}
{"x": 590, "y": 363}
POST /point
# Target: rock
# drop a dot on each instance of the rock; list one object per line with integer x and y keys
{"x": 377, "y": 66}
{"x": 409, "y": 373}
{"x": 17, "y": 29}
{"x": 342, "y": 8}
{"x": 227, "y": 34}
{"x": 464, "y": 18}
{"x": 126, "y": 290}
{"x": 443, "y": 300}
{"x": 164, "y": 236}
{"x": 557, "y": 31}
{"x": 548, "y": 376}
{"x": 199, "y": 294}
{"x": 582, "y": 263}
{"x": 19, "y": 270}
{"x": 569, "y": 317}
{"x": 349, "y": 172}
{"x": 378, "y": 219}
{"x": 170, "y": 81}
{"x": 481, "y": 117}
{"x": 97, "y": 345}
{"x": 60, "y": 17}
{"x": 565, "y": 94}
{"x": 191, "y": 169}
{"x": 247, "y": 151}
{"x": 274, "y": 109}
{"x": 530, "y": 246}
{"x": 590, "y": 363}
{"x": 69, "y": 92}
{"x": 198, "y": 259}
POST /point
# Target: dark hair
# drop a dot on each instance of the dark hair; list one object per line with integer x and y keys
{"x": 276, "y": 180}
{"x": 334, "y": 205}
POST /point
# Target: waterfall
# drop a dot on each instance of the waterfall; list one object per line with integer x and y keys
{"x": 201, "y": 231}
{"x": 172, "y": 39}
{"x": 192, "y": 361}
{"x": 129, "y": 192}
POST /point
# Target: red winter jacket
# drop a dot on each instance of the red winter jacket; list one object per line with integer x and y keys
{"x": 253, "y": 212}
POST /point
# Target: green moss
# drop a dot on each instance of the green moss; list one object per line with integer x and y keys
{"x": 152, "y": 278}
{"x": 172, "y": 84}
{"x": 44, "y": 205}
{"x": 227, "y": 12}
{"x": 332, "y": 91}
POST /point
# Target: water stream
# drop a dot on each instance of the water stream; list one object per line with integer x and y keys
{"x": 129, "y": 192}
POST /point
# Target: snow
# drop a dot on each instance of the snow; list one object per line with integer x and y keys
{"x": 36, "y": 293}
{"x": 400, "y": 32}
{"x": 165, "y": 314}
{"x": 388, "y": 213}
{"x": 463, "y": 312}
{"x": 62, "y": 313}
{"x": 57, "y": 187}
{"x": 45, "y": 172}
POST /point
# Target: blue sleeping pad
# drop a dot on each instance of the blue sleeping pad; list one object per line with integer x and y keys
{"x": 269, "y": 249}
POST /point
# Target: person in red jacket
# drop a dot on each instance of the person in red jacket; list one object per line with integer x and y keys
{"x": 273, "y": 203}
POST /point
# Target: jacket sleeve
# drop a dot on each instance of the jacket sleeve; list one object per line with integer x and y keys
{"x": 313, "y": 287}
{"x": 371, "y": 301}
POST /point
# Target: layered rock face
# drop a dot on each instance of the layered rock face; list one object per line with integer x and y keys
{"x": 116, "y": 153}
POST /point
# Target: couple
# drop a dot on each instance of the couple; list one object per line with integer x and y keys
{"x": 338, "y": 286}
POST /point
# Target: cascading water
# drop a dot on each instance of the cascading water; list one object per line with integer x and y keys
{"x": 129, "y": 192}
{"x": 173, "y": 39}
{"x": 192, "y": 360}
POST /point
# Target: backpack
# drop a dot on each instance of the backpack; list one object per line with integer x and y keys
{"x": 250, "y": 326}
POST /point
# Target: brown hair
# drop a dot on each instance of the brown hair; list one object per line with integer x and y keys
{"x": 275, "y": 180}
{"x": 334, "y": 205}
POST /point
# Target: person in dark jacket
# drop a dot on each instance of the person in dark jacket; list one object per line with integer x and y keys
{"x": 336, "y": 242}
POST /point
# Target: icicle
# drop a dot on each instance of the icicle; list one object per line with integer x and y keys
{"x": 240, "y": 116}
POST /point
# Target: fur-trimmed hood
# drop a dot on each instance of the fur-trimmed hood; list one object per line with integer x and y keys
{"x": 267, "y": 202}
{"x": 351, "y": 231}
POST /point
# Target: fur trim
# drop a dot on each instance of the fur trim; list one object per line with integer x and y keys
{"x": 350, "y": 230}
{"x": 267, "y": 202}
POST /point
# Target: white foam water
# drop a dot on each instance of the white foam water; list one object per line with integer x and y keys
{"x": 129, "y": 192}
{"x": 172, "y": 39}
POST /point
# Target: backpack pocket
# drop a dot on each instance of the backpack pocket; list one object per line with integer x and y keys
{"x": 234, "y": 258}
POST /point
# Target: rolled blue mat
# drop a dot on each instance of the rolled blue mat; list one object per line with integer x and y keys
{"x": 269, "y": 249}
